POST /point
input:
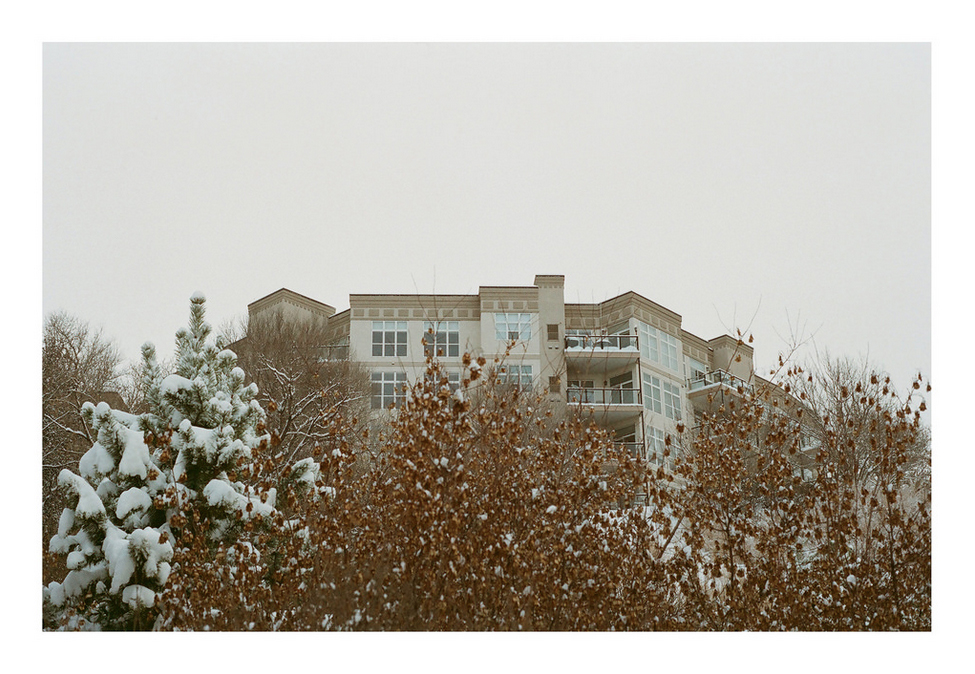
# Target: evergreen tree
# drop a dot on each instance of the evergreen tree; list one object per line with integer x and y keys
{"x": 128, "y": 502}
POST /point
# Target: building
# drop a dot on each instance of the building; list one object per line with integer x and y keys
{"x": 627, "y": 359}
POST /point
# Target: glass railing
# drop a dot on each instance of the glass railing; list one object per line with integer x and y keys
{"x": 634, "y": 449}
{"x": 334, "y": 352}
{"x": 602, "y": 342}
{"x": 604, "y": 396}
{"x": 705, "y": 379}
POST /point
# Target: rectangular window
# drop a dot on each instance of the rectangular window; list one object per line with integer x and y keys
{"x": 520, "y": 375}
{"x": 656, "y": 444}
{"x": 442, "y": 339}
{"x": 648, "y": 342}
{"x": 651, "y": 393}
{"x": 555, "y": 384}
{"x": 668, "y": 351}
{"x": 389, "y": 338}
{"x": 553, "y": 332}
{"x": 661, "y": 397}
{"x": 388, "y": 388}
{"x": 658, "y": 346}
{"x": 513, "y": 327}
{"x": 671, "y": 400}
{"x": 624, "y": 380}
{"x": 695, "y": 369}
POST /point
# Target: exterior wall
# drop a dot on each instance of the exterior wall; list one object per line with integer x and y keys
{"x": 726, "y": 350}
{"x": 509, "y": 299}
{"x": 551, "y": 311}
{"x": 414, "y": 311}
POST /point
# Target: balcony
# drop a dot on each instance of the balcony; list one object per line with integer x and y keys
{"x": 593, "y": 353}
{"x": 718, "y": 377}
{"x": 634, "y": 449}
{"x": 710, "y": 390}
{"x": 608, "y": 405}
{"x": 602, "y": 342}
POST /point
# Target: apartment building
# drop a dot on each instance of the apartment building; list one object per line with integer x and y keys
{"x": 626, "y": 360}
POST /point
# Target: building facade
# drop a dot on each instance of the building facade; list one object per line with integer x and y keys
{"x": 626, "y": 360}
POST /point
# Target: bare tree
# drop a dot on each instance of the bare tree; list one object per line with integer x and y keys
{"x": 78, "y": 364}
{"x": 849, "y": 401}
{"x": 302, "y": 385}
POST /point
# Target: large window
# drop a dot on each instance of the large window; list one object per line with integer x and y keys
{"x": 513, "y": 327}
{"x": 442, "y": 339}
{"x": 389, "y": 338}
{"x": 388, "y": 388}
{"x": 519, "y": 375}
{"x": 658, "y": 346}
{"x": 661, "y": 397}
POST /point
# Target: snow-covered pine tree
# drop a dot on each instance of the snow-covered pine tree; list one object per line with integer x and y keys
{"x": 127, "y": 502}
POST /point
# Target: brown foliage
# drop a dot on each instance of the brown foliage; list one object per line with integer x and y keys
{"x": 482, "y": 510}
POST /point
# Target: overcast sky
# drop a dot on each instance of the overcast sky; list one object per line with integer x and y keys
{"x": 718, "y": 180}
{"x": 784, "y": 188}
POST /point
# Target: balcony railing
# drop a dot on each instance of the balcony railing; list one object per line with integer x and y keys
{"x": 602, "y": 342}
{"x": 604, "y": 396}
{"x": 634, "y": 449}
{"x": 333, "y": 352}
{"x": 706, "y": 379}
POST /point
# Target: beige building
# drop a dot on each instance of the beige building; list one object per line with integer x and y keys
{"x": 627, "y": 359}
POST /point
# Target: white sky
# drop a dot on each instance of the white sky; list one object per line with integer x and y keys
{"x": 785, "y": 186}
{"x": 823, "y": 151}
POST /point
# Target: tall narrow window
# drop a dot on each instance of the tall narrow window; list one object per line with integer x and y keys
{"x": 651, "y": 393}
{"x": 668, "y": 351}
{"x": 513, "y": 327}
{"x": 442, "y": 339}
{"x": 671, "y": 395}
{"x": 389, "y": 338}
{"x": 656, "y": 444}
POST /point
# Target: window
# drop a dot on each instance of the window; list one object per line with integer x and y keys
{"x": 695, "y": 369}
{"x": 519, "y": 375}
{"x": 658, "y": 346}
{"x": 555, "y": 384}
{"x": 513, "y": 327}
{"x": 453, "y": 380}
{"x": 661, "y": 397}
{"x": 656, "y": 443}
{"x": 668, "y": 351}
{"x": 389, "y": 338}
{"x": 624, "y": 380}
{"x": 648, "y": 342}
{"x": 442, "y": 339}
{"x": 651, "y": 393}
{"x": 388, "y": 388}
{"x": 553, "y": 332}
{"x": 671, "y": 401}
